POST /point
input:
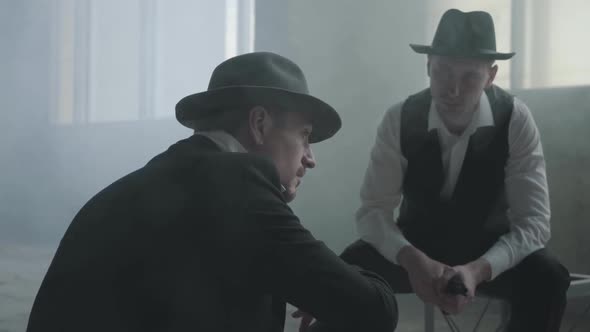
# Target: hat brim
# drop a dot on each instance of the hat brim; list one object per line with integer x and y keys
{"x": 479, "y": 54}
{"x": 197, "y": 107}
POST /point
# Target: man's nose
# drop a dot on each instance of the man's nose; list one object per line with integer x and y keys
{"x": 454, "y": 89}
{"x": 308, "y": 159}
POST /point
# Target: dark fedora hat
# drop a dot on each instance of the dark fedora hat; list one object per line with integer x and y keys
{"x": 462, "y": 34}
{"x": 259, "y": 78}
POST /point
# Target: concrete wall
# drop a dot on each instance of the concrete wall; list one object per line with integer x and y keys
{"x": 356, "y": 57}
{"x": 563, "y": 117}
{"x": 25, "y": 94}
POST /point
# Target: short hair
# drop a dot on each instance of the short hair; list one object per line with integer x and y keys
{"x": 228, "y": 120}
{"x": 231, "y": 120}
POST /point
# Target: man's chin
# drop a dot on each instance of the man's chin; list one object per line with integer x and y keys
{"x": 289, "y": 195}
{"x": 451, "y": 109}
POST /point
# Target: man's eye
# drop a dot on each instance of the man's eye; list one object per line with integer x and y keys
{"x": 441, "y": 73}
{"x": 472, "y": 77}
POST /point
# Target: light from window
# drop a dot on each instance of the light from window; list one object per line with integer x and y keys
{"x": 130, "y": 60}
{"x": 556, "y": 49}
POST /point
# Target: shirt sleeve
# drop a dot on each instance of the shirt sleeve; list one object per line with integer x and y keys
{"x": 527, "y": 193}
{"x": 381, "y": 190}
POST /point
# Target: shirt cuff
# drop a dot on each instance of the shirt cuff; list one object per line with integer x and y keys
{"x": 500, "y": 258}
{"x": 388, "y": 245}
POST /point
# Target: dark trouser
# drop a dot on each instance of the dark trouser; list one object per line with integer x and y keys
{"x": 535, "y": 288}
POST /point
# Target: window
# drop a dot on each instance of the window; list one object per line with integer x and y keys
{"x": 543, "y": 33}
{"x": 553, "y": 54}
{"x": 134, "y": 59}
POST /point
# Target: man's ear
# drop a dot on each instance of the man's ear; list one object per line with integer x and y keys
{"x": 259, "y": 122}
{"x": 428, "y": 65}
{"x": 492, "y": 71}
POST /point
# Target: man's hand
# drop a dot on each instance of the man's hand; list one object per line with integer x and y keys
{"x": 423, "y": 272}
{"x": 452, "y": 303}
{"x": 306, "y": 320}
{"x": 471, "y": 274}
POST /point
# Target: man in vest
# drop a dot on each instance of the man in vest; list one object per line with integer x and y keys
{"x": 465, "y": 160}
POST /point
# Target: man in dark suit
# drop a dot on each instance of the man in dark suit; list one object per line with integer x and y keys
{"x": 202, "y": 238}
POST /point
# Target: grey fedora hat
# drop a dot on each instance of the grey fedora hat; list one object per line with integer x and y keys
{"x": 461, "y": 34}
{"x": 259, "y": 78}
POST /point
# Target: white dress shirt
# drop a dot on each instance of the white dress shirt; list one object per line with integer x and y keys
{"x": 525, "y": 184}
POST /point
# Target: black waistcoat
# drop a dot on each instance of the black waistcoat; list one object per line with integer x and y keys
{"x": 461, "y": 228}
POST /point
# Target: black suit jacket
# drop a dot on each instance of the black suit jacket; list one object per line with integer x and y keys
{"x": 200, "y": 240}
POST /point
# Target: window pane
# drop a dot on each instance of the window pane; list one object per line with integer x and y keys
{"x": 64, "y": 108}
{"x": 190, "y": 43}
{"x": 114, "y": 61}
{"x": 134, "y": 59}
{"x": 557, "y": 49}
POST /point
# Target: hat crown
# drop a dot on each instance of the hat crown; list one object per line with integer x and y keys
{"x": 465, "y": 32}
{"x": 259, "y": 69}
{"x": 461, "y": 34}
{"x": 260, "y": 78}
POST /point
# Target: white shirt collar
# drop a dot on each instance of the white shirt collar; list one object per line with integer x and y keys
{"x": 225, "y": 141}
{"x": 481, "y": 118}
